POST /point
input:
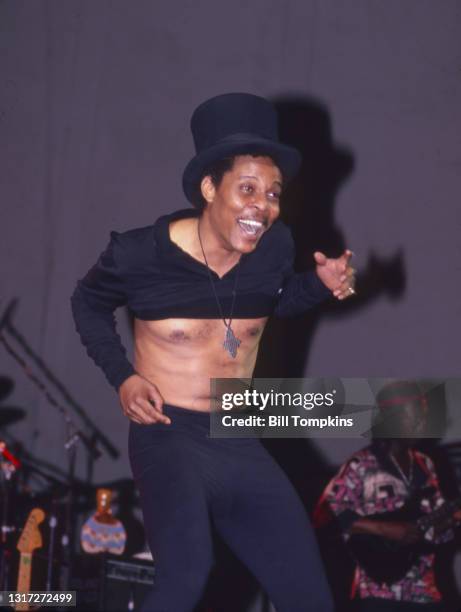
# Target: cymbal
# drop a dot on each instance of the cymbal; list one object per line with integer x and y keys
{"x": 11, "y": 415}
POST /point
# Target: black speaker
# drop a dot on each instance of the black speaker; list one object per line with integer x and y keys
{"x": 109, "y": 583}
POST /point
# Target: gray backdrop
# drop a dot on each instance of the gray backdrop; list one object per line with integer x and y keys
{"x": 95, "y": 101}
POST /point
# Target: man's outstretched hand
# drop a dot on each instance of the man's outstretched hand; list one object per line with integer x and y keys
{"x": 141, "y": 401}
{"x": 337, "y": 274}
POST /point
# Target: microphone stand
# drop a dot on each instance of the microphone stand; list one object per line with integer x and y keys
{"x": 52, "y": 523}
{"x": 73, "y": 436}
{"x": 97, "y": 435}
{"x": 67, "y": 538}
{"x": 6, "y": 472}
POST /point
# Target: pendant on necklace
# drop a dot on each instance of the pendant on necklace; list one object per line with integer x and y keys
{"x": 231, "y": 343}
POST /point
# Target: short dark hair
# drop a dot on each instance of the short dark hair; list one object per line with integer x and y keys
{"x": 216, "y": 172}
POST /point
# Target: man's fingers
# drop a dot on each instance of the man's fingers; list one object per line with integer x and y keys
{"x": 159, "y": 416}
{"x": 143, "y": 408}
{"x": 151, "y": 412}
{"x": 135, "y": 419}
{"x": 320, "y": 258}
{"x": 142, "y": 402}
{"x": 138, "y": 414}
{"x": 345, "y": 259}
{"x": 342, "y": 295}
{"x": 134, "y": 413}
{"x": 345, "y": 290}
{"x": 155, "y": 397}
{"x": 349, "y": 274}
{"x": 347, "y": 283}
{"x": 142, "y": 411}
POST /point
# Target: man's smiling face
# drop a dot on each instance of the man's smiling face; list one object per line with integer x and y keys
{"x": 246, "y": 202}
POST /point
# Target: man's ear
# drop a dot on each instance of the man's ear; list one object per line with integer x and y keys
{"x": 208, "y": 189}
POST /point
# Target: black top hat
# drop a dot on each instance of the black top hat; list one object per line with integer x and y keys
{"x": 235, "y": 124}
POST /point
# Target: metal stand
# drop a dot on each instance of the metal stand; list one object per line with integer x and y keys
{"x": 5, "y": 531}
{"x": 73, "y": 436}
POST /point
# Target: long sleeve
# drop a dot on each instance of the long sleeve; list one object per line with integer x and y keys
{"x": 93, "y": 302}
{"x": 342, "y": 498}
{"x": 344, "y": 493}
{"x": 434, "y": 535}
{"x": 301, "y": 291}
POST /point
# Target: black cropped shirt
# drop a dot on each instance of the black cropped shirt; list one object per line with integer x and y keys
{"x": 145, "y": 270}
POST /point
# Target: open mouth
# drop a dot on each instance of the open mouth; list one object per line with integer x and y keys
{"x": 251, "y": 228}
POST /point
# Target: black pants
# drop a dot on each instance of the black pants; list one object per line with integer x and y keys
{"x": 187, "y": 479}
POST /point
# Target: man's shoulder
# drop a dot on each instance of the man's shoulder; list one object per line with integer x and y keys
{"x": 140, "y": 246}
{"x": 134, "y": 236}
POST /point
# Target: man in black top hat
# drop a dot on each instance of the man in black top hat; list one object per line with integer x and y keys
{"x": 201, "y": 284}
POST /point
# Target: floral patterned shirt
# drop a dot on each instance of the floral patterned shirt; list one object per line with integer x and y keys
{"x": 366, "y": 485}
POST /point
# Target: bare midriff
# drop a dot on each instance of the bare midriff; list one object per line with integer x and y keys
{"x": 180, "y": 356}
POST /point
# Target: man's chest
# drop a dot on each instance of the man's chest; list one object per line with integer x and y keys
{"x": 196, "y": 333}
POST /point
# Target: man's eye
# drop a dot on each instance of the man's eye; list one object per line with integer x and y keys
{"x": 247, "y": 188}
{"x": 274, "y": 195}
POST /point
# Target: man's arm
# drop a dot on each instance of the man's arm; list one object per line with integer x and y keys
{"x": 399, "y": 531}
{"x": 94, "y": 301}
{"x": 343, "y": 497}
{"x": 300, "y": 291}
{"x": 442, "y": 532}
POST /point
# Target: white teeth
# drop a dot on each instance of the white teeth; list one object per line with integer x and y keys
{"x": 251, "y": 222}
{"x": 249, "y": 226}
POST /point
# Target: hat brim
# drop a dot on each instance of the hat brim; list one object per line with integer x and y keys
{"x": 287, "y": 158}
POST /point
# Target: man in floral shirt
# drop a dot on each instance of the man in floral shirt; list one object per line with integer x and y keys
{"x": 380, "y": 479}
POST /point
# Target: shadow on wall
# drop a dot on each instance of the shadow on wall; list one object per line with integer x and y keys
{"x": 308, "y": 208}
